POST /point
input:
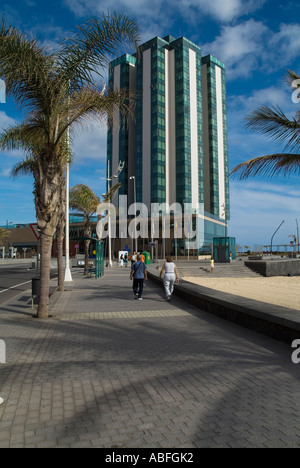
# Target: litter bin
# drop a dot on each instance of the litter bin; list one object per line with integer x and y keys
{"x": 147, "y": 257}
{"x": 35, "y": 287}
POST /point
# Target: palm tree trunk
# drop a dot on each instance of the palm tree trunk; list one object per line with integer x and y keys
{"x": 46, "y": 246}
{"x": 86, "y": 257}
{"x": 47, "y": 202}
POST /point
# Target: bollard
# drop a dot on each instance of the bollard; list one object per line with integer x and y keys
{"x": 35, "y": 288}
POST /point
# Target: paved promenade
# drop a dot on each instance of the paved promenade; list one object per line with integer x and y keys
{"x": 109, "y": 371}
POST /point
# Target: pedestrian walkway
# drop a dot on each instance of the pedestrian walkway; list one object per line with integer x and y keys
{"x": 109, "y": 371}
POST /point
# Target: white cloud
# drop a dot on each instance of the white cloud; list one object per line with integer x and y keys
{"x": 5, "y": 172}
{"x": 5, "y": 121}
{"x": 258, "y": 207}
{"x": 138, "y": 8}
{"x": 244, "y": 47}
{"x": 245, "y": 144}
{"x": 220, "y": 10}
{"x": 238, "y": 47}
{"x": 193, "y": 10}
{"x": 271, "y": 96}
{"x": 286, "y": 43}
{"x": 241, "y": 105}
{"x": 251, "y": 45}
{"x": 90, "y": 145}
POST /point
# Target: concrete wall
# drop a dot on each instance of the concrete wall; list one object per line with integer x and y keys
{"x": 275, "y": 267}
{"x": 271, "y": 320}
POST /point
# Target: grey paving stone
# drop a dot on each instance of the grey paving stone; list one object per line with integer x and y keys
{"x": 109, "y": 371}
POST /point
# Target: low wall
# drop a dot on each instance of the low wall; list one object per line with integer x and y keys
{"x": 271, "y": 320}
{"x": 269, "y": 268}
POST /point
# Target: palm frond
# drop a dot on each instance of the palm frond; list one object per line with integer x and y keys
{"x": 270, "y": 165}
{"x": 27, "y": 166}
{"x": 26, "y": 68}
{"x": 30, "y": 137}
{"x": 82, "y": 198}
{"x": 24, "y": 137}
{"x": 107, "y": 197}
{"x": 273, "y": 122}
{"x": 94, "y": 44}
{"x": 88, "y": 107}
{"x": 4, "y": 234}
{"x": 292, "y": 76}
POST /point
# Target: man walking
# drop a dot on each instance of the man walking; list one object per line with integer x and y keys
{"x": 138, "y": 273}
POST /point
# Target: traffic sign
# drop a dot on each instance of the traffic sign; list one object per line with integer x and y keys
{"x": 36, "y": 232}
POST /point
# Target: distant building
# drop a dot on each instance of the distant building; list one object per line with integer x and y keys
{"x": 176, "y": 143}
{"x": 21, "y": 241}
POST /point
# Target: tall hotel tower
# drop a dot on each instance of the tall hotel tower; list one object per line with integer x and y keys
{"x": 176, "y": 143}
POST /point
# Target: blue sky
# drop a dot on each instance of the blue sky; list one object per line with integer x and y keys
{"x": 258, "y": 40}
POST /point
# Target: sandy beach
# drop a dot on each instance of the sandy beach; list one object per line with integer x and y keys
{"x": 280, "y": 290}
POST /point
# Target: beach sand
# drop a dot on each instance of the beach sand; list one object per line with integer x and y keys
{"x": 280, "y": 290}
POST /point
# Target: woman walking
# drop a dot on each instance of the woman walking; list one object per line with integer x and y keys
{"x": 170, "y": 277}
{"x": 212, "y": 264}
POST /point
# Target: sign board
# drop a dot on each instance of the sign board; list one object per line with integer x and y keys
{"x": 153, "y": 244}
{"x": 36, "y": 232}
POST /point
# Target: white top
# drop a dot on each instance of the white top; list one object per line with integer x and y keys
{"x": 169, "y": 267}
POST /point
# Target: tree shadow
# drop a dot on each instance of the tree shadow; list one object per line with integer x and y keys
{"x": 197, "y": 381}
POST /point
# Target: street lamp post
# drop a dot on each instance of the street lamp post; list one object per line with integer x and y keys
{"x": 68, "y": 275}
{"x": 109, "y": 179}
{"x": 134, "y": 189}
{"x": 297, "y": 236}
{"x": 225, "y": 218}
{"x": 274, "y": 235}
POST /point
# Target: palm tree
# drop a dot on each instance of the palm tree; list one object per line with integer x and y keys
{"x": 30, "y": 166}
{"x": 57, "y": 91}
{"x": 60, "y": 234}
{"x": 274, "y": 123}
{"x": 84, "y": 200}
{"x": 4, "y": 234}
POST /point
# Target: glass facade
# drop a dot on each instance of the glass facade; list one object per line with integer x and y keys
{"x": 224, "y": 249}
{"x": 213, "y": 136}
{"x": 159, "y": 63}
